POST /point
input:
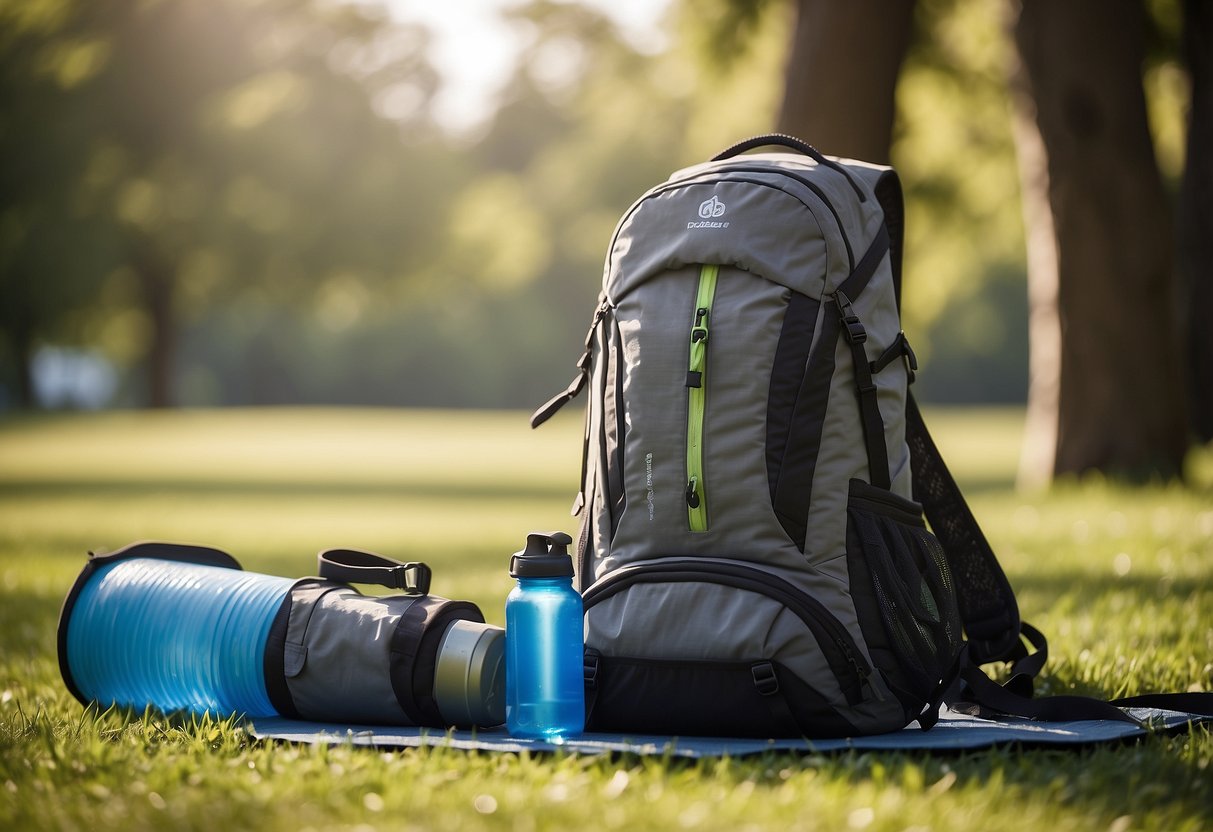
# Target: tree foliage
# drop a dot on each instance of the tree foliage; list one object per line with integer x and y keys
{"x": 206, "y": 150}
{"x": 253, "y": 196}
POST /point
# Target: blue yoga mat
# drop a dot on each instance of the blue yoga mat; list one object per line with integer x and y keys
{"x": 953, "y": 732}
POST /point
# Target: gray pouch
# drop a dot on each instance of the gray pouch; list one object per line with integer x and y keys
{"x": 336, "y": 655}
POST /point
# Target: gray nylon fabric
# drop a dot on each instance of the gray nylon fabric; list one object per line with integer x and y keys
{"x": 345, "y": 671}
{"x": 771, "y": 234}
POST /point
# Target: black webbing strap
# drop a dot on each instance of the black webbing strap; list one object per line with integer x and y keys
{"x": 987, "y": 603}
{"x": 590, "y": 668}
{"x": 414, "y": 651}
{"x": 888, "y": 194}
{"x": 867, "y": 265}
{"x": 856, "y": 336}
{"x": 766, "y": 682}
{"x": 984, "y": 696}
{"x": 553, "y": 405}
{"x": 865, "y": 389}
{"x": 1197, "y": 702}
{"x": 354, "y": 566}
{"x": 900, "y": 348}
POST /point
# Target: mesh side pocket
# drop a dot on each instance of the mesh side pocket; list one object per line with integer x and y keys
{"x": 903, "y": 591}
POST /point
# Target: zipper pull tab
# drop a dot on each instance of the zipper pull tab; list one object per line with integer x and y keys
{"x": 867, "y": 680}
{"x": 699, "y": 332}
{"x": 693, "y": 493}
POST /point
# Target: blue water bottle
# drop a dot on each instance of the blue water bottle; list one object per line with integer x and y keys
{"x": 544, "y": 688}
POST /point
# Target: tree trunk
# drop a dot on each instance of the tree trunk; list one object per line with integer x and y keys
{"x": 1115, "y": 379}
{"x": 1195, "y": 219}
{"x": 842, "y": 72}
{"x": 21, "y": 344}
{"x": 156, "y": 281}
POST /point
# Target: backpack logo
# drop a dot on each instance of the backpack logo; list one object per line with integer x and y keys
{"x": 709, "y": 210}
{"x": 648, "y": 483}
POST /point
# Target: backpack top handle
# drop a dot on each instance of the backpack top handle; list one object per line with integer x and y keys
{"x": 784, "y": 140}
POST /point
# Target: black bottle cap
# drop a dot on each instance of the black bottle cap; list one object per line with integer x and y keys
{"x": 545, "y": 556}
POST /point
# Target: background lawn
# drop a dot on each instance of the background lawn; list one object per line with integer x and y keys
{"x": 1120, "y": 581}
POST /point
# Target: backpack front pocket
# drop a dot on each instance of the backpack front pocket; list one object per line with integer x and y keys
{"x": 705, "y": 698}
{"x": 903, "y": 592}
{"x": 723, "y": 635}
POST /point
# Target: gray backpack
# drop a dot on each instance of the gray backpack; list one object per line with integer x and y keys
{"x": 751, "y": 555}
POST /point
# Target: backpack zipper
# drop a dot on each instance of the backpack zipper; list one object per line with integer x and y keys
{"x": 841, "y": 653}
{"x": 696, "y": 490}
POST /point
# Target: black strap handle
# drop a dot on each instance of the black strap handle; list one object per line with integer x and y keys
{"x": 354, "y": 566}
{"x": 799, "y": 145}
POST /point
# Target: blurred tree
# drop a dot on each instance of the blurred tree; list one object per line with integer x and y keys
{"x": 218, "y": 149}
{"x": 1099, "y": 244}
{"x": 1107, "y": 389}
{"x": 48, "y": 250}
{"x": 964, "y": 251}
{"x": 1195, "y": 216}
{"x": 842, "y": 72}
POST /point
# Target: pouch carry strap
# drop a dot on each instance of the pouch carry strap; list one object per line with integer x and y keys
{"x": 355, "y": 566}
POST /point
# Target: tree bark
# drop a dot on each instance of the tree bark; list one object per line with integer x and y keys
{"x": 1115, "y": 381}
{"x": 842, "y": 73}
{"x": 156, "y": 281}
{"x": 1195, "y": 218}
{"x": 21, "y": 343}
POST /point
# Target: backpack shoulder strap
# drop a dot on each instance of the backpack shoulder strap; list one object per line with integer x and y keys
{"x": 987, "y": 603}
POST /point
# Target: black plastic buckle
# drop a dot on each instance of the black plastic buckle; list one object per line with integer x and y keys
{"x": 765, "y": 680}
{"x": 413, "y": 577}
{"x": 911, "y": 359}
{"x": 855, "y": 332}
{"x": 589, "y": 670}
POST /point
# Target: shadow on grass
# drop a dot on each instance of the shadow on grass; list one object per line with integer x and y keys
{"x": 1047, "y": 589}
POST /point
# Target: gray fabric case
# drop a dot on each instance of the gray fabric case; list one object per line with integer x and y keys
{"x": 334, "y": 654}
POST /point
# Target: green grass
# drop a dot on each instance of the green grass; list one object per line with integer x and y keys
{"x": 1119, "y": 579}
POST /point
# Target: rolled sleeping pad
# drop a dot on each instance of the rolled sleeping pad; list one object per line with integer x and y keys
{"x": 184, "y": 628}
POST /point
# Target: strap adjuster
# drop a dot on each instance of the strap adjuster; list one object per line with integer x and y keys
{"x": 589, "y": 670}
{"x": 765, "y": 680}
{"x": 856, "y": 334}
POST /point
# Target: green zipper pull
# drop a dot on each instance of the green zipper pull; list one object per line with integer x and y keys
{"x": 696, "y": 492}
